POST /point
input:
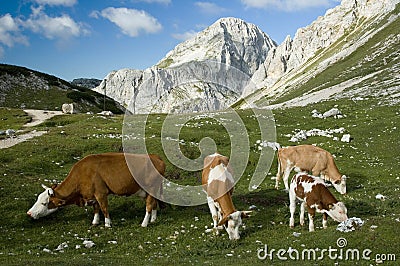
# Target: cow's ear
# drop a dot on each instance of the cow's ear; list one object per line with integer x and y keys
{"x": 60, "y": 203}
{"x": 245, "y": 214}
{"x": 54, "y": 203}
{"x": 45, "y": 187}
{"x": 224, "y": 220}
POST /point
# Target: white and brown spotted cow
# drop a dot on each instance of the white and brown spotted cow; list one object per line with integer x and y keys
{"x": 311, "y": 159}
{"x": 94, "y": 177}
{"x": 313, "y": 193}
{"x": 218, "y": 183}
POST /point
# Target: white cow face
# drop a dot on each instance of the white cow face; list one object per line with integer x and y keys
{"x": 340, "y": 186}
{"x": 235, "y": 220}
{"x": 232, "y": 223}
{"x": 40, "y": 208}
{"x": 338, "y": 212}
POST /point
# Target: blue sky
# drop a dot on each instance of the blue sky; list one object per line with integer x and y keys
{"x": 89, "y": 38}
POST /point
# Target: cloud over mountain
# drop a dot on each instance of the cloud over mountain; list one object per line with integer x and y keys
{"x": 132, "y": 22}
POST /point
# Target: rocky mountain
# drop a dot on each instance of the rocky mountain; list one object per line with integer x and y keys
{"x": 21, "y": 87}
{"x": 353, "y": 44}
{"x": 86, "y": 83}
{"x": 207, "y": 72}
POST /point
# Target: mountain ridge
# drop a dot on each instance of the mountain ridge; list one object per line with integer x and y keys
{"x": 222, "y": 46}
{"x": 356, "y": 23}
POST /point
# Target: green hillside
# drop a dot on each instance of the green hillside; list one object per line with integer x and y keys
{"x": 25, "y": 88}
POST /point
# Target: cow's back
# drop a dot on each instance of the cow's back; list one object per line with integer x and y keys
{"x": 305, "y": 157}
{"x": 109, "y": 171}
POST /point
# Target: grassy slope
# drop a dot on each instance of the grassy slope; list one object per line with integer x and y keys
{"x": 12, "y": 119}
{"x": 371, "y": 160}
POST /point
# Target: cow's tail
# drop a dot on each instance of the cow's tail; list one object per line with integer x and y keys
{"x": 161, "y": 204}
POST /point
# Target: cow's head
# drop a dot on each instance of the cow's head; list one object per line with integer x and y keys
{"x": 41, "y": 207}
{"x": 232, "y": 223}
{"x": 340, "y": 185}
{"x": 337, "y": 211}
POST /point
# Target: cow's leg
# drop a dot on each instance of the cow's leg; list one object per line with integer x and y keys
{"x": 302, "y": 209}
{"x": 286, "y": 174}
{"x": 153, "y": 211}
{"x": 292, "y": 206}
{"x": 324, "y": 220}
{"x": 103, "y": 202}
{"x": 278, "y": 175}
{"x": 150, "y": 203}
{"x": 213, "y": 211}
{"x": 311, "y": 214}
{"x": 96, "y": 210}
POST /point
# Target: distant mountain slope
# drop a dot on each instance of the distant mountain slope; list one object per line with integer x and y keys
{"x": 181, "y": 81}
{"x": 86, "y": 83}
{"x": 21, "y": 87}
{"x": 352, "y": 51}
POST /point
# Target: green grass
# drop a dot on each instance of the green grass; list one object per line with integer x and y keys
{"x": 12, "y": 119}
{"x": 371, "y": 161}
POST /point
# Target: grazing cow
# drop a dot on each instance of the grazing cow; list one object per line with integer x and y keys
{"x": 316, "y": 196}
{"x": 94, "y": 177}
{"x": 218, "y": 183}
{"x": 309, "y": 158}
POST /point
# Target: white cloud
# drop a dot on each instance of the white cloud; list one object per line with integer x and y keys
{"x": 185, "y": 36}
{"x": 210, "y": 8}
{"x": 10, "y": 31}
{"x": 56, "y": 2}
{"x": 131, "y": 21}
{"x": 287, "y": 5}
{"x": 62, "y": 27}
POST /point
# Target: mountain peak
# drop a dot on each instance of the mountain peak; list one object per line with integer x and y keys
{"x": 229, "y": 40}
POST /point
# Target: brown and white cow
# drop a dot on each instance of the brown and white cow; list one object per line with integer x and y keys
{"x": 94, "y": 177}
{"x": 218, "y": 183}
{"x": 313, "y": 193}
{"x": 312, "y": 159}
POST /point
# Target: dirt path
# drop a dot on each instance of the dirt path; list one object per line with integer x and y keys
{"x": 38, "y": 117}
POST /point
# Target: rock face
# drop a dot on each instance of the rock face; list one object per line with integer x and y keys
{"x": 291, "y": 57}
{"x": 230, "y": 41}
{"x": 86, "y": 83}
{"x": 205, "y": 73}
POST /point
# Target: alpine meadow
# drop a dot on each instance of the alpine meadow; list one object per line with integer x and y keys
{"x": 339, "y": 91}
